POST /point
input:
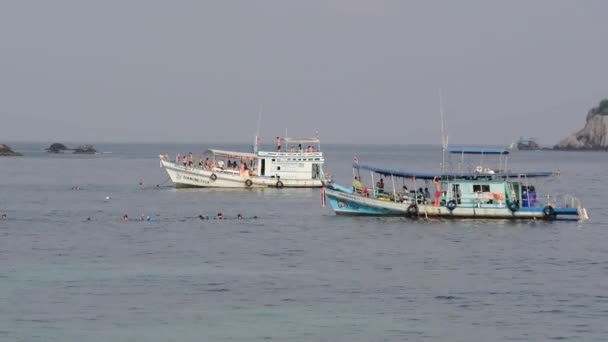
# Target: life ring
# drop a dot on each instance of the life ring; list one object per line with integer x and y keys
{"x": 412, "y": 210}
{"x": 279, "y": 184}
{"x": 213, "y": 177}
{"x": 549, "y": 213}
{"x": 248, "y": 183}
{"x": 451, "y": 205}
{"x": 512, "y": 206}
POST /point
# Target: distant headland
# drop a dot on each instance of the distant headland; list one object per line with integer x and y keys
{"x": 6, "y": 151}
{"x": 594, "y": 136}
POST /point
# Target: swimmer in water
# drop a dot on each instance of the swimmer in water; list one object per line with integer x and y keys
{"x": 125, "y": 217}
{"x": 220, "y": 216}
{"x": 239, "y": 217}
{"x": 3, "y": 216}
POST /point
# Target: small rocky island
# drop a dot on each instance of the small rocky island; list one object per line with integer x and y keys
{"x": 56, "y": 148}
{"x": 85, "y": 149}
{"x": 527, "y": 144}
{"x": 594, "y": 136}
{"x": 6, "y": 151}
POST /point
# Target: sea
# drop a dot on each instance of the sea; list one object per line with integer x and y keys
{"x": 290, "y": 270}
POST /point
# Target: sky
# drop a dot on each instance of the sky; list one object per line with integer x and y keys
{"x": 366, "y": 72}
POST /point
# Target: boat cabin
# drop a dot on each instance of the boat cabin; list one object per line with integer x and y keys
{"x": 297, "y": 160}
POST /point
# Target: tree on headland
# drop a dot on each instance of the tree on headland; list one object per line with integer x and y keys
{"x": 603, "y": 107}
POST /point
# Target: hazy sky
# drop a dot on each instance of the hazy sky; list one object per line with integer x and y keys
{"x": 357, "y": 71}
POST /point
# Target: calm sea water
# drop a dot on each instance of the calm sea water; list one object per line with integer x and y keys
{"x": 297, "y": 272}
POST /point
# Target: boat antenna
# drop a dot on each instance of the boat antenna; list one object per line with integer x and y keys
{"x": 257, "y": 141}
{"x": 444, "y": 137}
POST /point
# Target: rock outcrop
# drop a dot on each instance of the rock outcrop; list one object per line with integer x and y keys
{"x": 6, "y": 151}
{"x": 594, "y": 136}
{"x": 85, "y": 149}
{"x": 56, "y": 148}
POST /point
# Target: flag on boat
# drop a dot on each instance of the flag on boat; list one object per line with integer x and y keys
{"x": 257, "y": 141}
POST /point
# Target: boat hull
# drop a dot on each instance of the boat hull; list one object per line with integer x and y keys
{"x": 344, "y": 203}
{"x": 183, "y": 177}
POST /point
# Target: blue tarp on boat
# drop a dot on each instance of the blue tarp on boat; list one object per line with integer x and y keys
{"x": 450, "y": 175}
{"x": 477, "y": 150}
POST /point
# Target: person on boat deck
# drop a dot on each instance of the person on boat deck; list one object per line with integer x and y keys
{"x": 278, "y": 143}
{"x": 436, "y": 199}
{"x": 532, "y": 196}
{"x": 427, "y": 194}
{"x": 380, "y": 185}
{"x": 310, "y": 149}
{"x": 299, "y": 147}
{"x": 207, "y": 163}
{"x": 357, "y": 185}
{"x": 220, "y": 164}
{"x": 292, "y": 149}
{"x": 200, "y": 163}
{"x": 185, "y": 161}
{"x": 177, "y": 158}
{"x": 404, "y": 193}
{"x": 190, "y": 159}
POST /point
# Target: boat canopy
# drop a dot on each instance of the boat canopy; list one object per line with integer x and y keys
{"x": 230, "y": 154}
{"x": 312, "y": 140}
{"x": 450, "y": 175}
{"x": 477, "y": 150}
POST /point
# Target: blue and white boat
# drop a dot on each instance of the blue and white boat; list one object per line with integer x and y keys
{"x": 480, "y": 193}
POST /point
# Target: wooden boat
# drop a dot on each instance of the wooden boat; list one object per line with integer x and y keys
{"x": 482, "y": 193}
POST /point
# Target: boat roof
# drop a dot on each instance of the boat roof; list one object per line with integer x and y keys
{"x": 311, "y": 140}
{"x": 478, "y": 150}
{"x": 450, "y": 175}
{"x": 231, "y": 154}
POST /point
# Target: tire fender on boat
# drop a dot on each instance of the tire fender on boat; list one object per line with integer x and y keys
{"x": 248, "y": 183}
{"x": 549, "y": 213}
{"x": 451, "y": 205}
{"x": 213, "y": 177}
{"x": 513, "y": 206}
{"x": 412, "y": 210}
{"x": 279, "y": 184}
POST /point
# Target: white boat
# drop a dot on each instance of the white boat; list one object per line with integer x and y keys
{"x": 294, "y": 166}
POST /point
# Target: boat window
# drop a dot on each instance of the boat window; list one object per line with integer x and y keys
{"x": 278, "y": 168}
{"x": 273, "y": 159}
{"x": 481, "y": 188}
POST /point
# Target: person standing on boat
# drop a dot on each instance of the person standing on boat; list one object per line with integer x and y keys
{"x": 278, "y": 143}
{"x": 532, "y": 197}
{"x": 380, "y": 185}
{"x": 357, "y": 185}
{"x": 177, "y": 158}
{"x": 437, "y": 197}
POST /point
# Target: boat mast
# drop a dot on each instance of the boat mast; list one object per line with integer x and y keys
{"x": 444, "y": 137}
{"x": 256, "y": 143}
